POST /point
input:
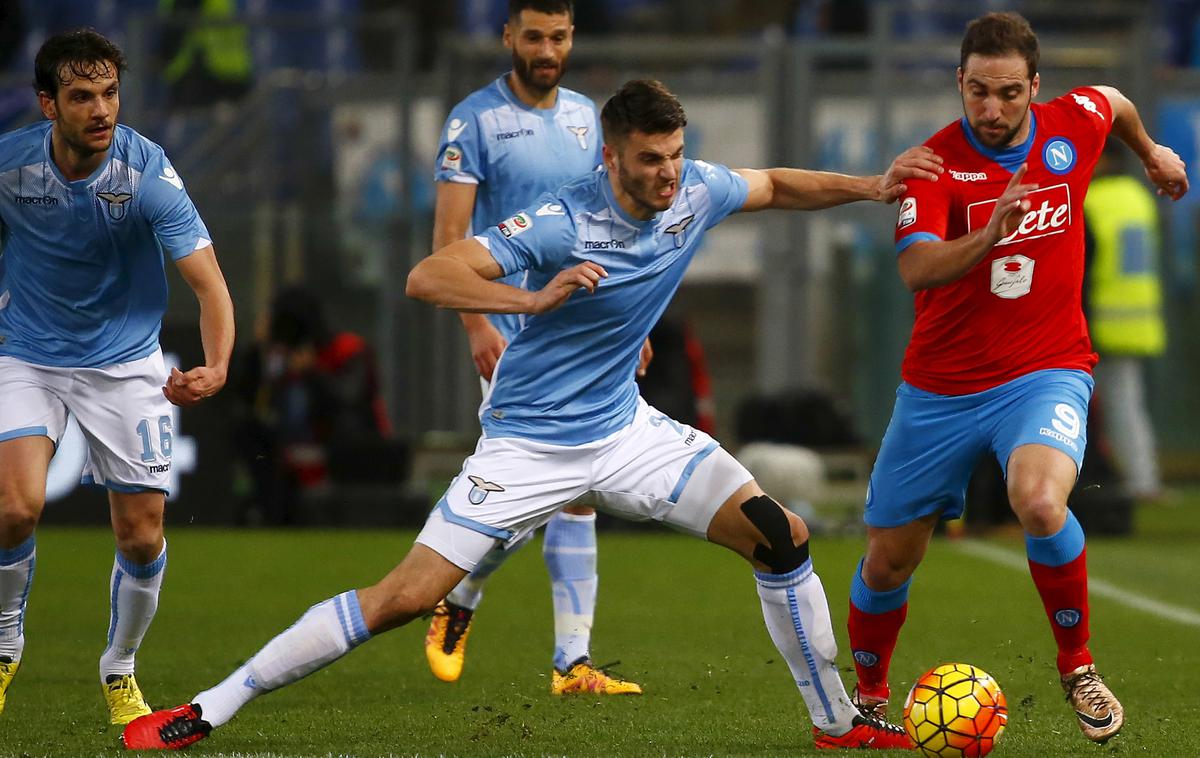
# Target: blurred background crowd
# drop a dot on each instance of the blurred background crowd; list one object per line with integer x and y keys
{"x": 306, "y": 131}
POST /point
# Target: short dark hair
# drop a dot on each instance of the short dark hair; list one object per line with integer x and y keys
{"x": 643, "y": 105}
{"x": 549, "y": 7}
{"x": 1000, "y": 34}
{"x": 83, "y": 53}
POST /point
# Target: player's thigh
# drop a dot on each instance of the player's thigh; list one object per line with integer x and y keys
{"x": 506, "y": 489}
{"x": 32, "y": 421}
{"x": 128, "y": 424}
{"x": 928, "y": 452}
{"x": 662, "y": 470}
{"x": 1047, "y": 408}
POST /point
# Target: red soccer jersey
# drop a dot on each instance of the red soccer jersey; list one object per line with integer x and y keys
{"x": 1018, "y": 310}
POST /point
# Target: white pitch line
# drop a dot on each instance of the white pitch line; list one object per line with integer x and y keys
{"x": 1096, "y": 587}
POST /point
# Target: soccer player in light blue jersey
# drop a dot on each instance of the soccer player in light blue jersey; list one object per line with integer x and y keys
{"x": 564, "y": 421}
{"x": 87, "y": 209}
{"x": 502, "y": 147}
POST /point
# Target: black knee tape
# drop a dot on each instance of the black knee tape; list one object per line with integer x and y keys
{"x": 779, "y": 554}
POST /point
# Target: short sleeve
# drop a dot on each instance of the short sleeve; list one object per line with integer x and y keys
{"x": 727, "y": 191}
{"x": 924, "y": 213}
{"x": 460, "y": 156}
{"x": 1090, "y": 115}
{"x": 1091, "y": 108}
{"x": 541, "y": 237}
{"x": 166, "y": 206}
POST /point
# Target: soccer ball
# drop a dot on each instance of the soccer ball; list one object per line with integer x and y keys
{"x": 955, "y": 710}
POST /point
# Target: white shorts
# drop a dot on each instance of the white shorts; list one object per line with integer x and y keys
{"x": 126, "y": 420}
{"x": 654, "y": 469}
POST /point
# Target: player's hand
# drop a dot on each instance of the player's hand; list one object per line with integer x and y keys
{"x": 645, "y": 357}
{"x": 190, "y": 388}
{"x": 914, "y": 163}
{"x": 585, "y": 275}
{"x": 1166, "y": 170}
{"x": 486, "y": 346}
{"x": 1011, "y": 207}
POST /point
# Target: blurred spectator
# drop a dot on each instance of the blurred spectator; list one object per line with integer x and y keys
{"x": 307, "y": 389}
{"x": 676, "y": 381}
{"x": 309, "y": 35}
{"x": 1181, "y": 22}
{"x": 206, "y": 52}
{"x": 12, "y": 32}
{"x": 1123, "y": 301}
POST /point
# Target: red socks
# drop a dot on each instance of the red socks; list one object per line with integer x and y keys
{"x": 1064, "y": 596}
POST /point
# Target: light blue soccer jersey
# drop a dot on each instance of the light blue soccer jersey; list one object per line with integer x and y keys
{"x": 81, "y": 273}
{"x": 568, "y": 377}
{"x": 515, "y": 153}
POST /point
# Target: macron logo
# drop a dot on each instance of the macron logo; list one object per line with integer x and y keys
{"x": 170, "y": 177}
{"x": 550, "y": 209}
{"x": 455, "y": 128}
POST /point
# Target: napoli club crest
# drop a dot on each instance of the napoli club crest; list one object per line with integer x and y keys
{"x": 481, "y": 489}
{"x": 1067, "y": 617}
{"x": 1059, "y": 155}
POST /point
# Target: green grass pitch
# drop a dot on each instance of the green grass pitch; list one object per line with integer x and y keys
{"x": 682, "y": 617}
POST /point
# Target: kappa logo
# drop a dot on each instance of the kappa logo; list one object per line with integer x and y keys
{"x": 677, "y": 229}
{"x": 170, "y": 177}
{"x": 580, "y": 133}
{"x": 482, "y": 488}
{"x": 1085, "y": 102}
{"x": 1049, "y": 213}
{"x": 968, "y": 176}
{"x": 511, "y": 227}
{"x": 550, "y": 209}
{"x": 116, "y": 203}
{"x": 455, "y": 128}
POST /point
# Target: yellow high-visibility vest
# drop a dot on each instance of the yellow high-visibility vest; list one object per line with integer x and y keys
{"x": 1125, "y": 314}
{"x": 223, "y": 47}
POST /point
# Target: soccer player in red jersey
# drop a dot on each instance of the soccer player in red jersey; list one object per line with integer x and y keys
{"x": 999, "y": 361}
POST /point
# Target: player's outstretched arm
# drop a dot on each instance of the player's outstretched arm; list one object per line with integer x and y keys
{"x": 924, "y": 265}
{"x": 451, "y": 218}
{"x": 801, "y": 189}
{"x": 459, "y": 277}
{"x": 203, "y": 274}
{"x": 1164, "y": 168}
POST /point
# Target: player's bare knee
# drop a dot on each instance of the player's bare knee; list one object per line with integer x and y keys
{"x": 784, "y": 544}
{"x": 140, "y": 539}
{"x": 1039, "y": 510}
{"x": 883, "y": 572}
{"x": 19, "y": 513}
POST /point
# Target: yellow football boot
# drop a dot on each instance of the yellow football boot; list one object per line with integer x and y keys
{"x": 446, "y": 640}
{"x": 7, "y": 672}
{"x": 124, "y": 699}
{"x": 584, "y": 678}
